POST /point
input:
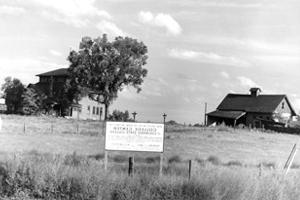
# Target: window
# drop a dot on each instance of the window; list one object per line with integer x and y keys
{"x": 89, "y": 108}
{"x": 282, "y": 105}
{"x": 97, "y": 113}
{"x": 93, "y": 110}
{"x": 101, "y": 110}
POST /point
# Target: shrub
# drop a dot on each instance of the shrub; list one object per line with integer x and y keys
{"x": 234, "y": 163}
{"x": 214, "y": 160}
{"x": 174, "y": 159}
{"x": 73, "y": 160}
{"x": 152, "y": 159}
{"x": 120, "y": 158}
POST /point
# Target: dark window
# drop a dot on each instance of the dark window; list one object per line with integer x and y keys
{"x": 88, "y": 108}
{"x": 97, "y": 113}
{"x": 282, "y": 105}
{"x": 93, "y": 110}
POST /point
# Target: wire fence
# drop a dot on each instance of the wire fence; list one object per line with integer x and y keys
{"x": 50, "y": 125}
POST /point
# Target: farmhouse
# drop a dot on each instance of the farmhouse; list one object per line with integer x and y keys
{"x": 51, "y": 83}
{"x": 253, "y": 110}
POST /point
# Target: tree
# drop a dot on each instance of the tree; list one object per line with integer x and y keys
{"x": 107, "y": 67}
{"x": 120, "y": 116}
{"x": 32, "y": 101}
{"x": 13, "y": 90}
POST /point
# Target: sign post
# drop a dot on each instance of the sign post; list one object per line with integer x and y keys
{"x": 137, "y": 137}
{"x": 290, "y": 159}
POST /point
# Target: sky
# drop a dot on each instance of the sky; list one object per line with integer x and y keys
{"x": 199, "y": 50}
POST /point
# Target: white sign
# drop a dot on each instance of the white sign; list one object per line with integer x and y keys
{"x": 124, "y": 136}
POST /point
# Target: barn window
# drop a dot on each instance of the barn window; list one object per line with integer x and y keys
{"x": 282, "y": 105}
{"x": 97, "y": 113}
{"x": 93, "y": 110}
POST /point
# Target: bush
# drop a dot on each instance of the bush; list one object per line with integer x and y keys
{"x": 234, "y": 163}
{"x": 214, "y": 160}
{"x": 118, "y": 115}
{"x": 174, "y": 159}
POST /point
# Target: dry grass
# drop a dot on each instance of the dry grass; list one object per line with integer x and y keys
{"x": 67, "y": 164}
{"x": 47, "y": 176}
{"x": 244, "y": 146}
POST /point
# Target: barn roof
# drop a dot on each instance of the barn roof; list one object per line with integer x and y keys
{"x": 227, "y": 114}
{"x": 57, "y": 72}
{"x": 248, "y": 103}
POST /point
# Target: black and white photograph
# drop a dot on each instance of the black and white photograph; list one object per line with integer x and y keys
{"x": 149, "y": 99}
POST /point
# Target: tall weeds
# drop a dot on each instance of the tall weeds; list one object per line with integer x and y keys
{"x": 38, "y": 176}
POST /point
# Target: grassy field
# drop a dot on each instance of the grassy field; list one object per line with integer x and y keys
{"x": 248, "y": 147}
{"x": 60, "y": 159}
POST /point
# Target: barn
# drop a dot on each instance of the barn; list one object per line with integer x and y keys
{"x": 254, "y": 109}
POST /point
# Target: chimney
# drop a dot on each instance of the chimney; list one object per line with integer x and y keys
{"x": 255, "y": 92}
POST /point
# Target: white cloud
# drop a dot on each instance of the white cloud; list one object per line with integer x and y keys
{"x": 25, "y": 68}
{"x": 11, "y": 10}
{"x": 232, "y": 5}
{"x": 247, "y": 82}
{"x": 161, "y": 20}
{"x": 55, "y": 53}
{"x": 110, "y": 28}
{"x": 74, "y": 8}
{"x": 225, "y": 75}
{"x": 215, "y": 85}
{"x": 76, "y": 22}
{"x": 77, "y": 13}
{"x": 205, "y": 57}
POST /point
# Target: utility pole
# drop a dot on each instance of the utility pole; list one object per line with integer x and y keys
{"x": 134, "y": 114}
{"x": 205, "y": 110}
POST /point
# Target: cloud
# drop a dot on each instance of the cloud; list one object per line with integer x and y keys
{"x": 204, "y": 57}
{"x": 215, "y": 85}
{"x": 77, "y": 13}
{"x": 161, "y": 20}
{"x": 55, "y": 53}
{"x": 74, "y": 8}
{"x": 25, "y": 68}
{"x": 247, "y": 82}
{"x": 223, "y": 4}
{"x": 110, "y": 28}
{"x": 225, "y": 75}
{"x": 76, "y": 22}
{"x": 11, "y": 10}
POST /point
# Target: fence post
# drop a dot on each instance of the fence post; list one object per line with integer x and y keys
{"x": 105, "y": 160}
{"x": 130, "y": 166}
{"x": 24, "y": 128}
{"x": 190, "y": 169}
{"x": 52, "y": 126}
{"x": 260, "y": 170}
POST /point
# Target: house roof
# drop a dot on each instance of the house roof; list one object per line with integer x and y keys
{"x": 57, "y": 72}
{"x": 248, "y": 103}
{"x": 227, "y": 114}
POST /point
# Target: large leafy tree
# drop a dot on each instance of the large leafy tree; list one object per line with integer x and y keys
{"x": 32, "y": 101}
{"x": 105, "y": 67}
{"x": 13, "y": 90}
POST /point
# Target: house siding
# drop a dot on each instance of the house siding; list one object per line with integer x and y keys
{"x": 89, "y": 110}
{"x": 283, "y": 111}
